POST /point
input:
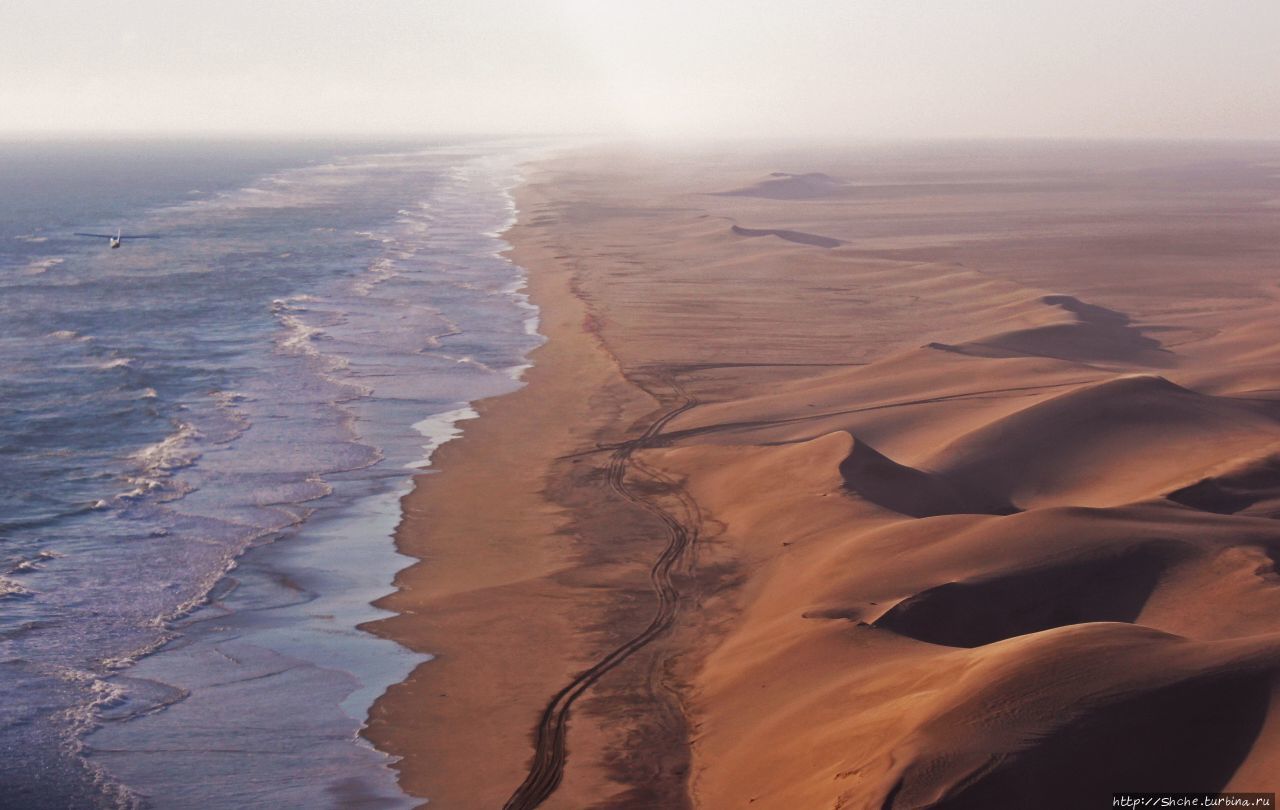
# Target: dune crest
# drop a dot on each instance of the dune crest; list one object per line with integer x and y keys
{"x": 1109, "y": 443}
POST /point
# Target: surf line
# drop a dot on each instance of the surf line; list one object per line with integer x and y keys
{"x": 549, "y": 754}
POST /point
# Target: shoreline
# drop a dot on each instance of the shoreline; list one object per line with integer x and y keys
{"x": 285, "y": 614}
{"x": 489, "y": 695}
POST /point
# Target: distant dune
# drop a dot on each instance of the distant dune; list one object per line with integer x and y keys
{"x": 786, "y": 186}
{"x": 799, "y": 237}
{"x": 1090, "y": 334}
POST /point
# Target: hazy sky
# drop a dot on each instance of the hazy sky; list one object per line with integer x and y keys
{"x": 860, "y": 68}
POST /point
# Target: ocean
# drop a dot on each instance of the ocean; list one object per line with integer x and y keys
{"x": 204, "y": 441}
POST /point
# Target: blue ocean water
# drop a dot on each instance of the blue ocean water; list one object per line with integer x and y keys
{"x": 203, "y": 442}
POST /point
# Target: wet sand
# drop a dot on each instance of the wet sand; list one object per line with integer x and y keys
{"x": 931, "y": 476}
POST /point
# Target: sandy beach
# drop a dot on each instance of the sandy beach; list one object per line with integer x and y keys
{"x": 863, "y": 477}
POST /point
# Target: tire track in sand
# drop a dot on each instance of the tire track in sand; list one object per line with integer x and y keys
{"x": 547, "y": 767}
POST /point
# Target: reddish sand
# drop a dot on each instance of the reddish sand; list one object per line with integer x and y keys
{"x": 935, "y": 476}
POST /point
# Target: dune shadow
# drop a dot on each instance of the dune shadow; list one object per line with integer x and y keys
{"x": 884, "y": 482}
{"x": 1189, "y": 736}
{"x": 1112, "y": 587}
{"x": 799, "y": 237}
{"x": 1254, "y": 487}
{"x": 1097, "y": 334}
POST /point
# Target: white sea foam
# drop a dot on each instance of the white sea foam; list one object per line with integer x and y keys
{"x": 35, "y": 562}
{"x": 517, "y": 371}
{"x": 11, "y": 587}
{"x": 380, "y": 270}
{"x": 517, "y": 288}
{"x": 201, "y": 591}
{"x": 377, "y": 237}
{"x": 173, "y": 452}
{"x": 467, "y": 360}
{"x": 320, "y": 488}
{"x": 80, "y": 719}
{"x": 229, "y": 405}
{"x": 438, "y": 429}
{"x": 39, "y": 266}
{"x": 230, "y": 397}
{"x": 146, "y": 486}
{"x": 299, "y": 338}
{"x": 32, "y": 563}
{"x": 298, "y": 335}
{"x": 291, "y": 303}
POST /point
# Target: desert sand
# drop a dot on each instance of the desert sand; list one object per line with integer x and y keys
{"x": 864, "y": 477}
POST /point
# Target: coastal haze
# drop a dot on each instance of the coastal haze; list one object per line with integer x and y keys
{"x": 594, "y": 405}
{"x": 713, "y": 68}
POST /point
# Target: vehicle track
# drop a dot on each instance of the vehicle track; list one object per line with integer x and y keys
{"x": 547, "y": 767}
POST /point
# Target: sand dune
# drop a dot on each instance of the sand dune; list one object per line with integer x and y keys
{"x": 1118, "y": 441}
{"x": 1092, "y": 334}
{"x": 1109, "y": 443}
{"x": 874, "y": 611}
{"x": 909, "y": 491}
{"x": 1066, "y": 717}
{"x": 786, "y": 186}
{"x": 1253, "y": 488}
{"x": 975, "y": 510}
{"x": 799, "y": 237}
{"x": 1110, "y": 585}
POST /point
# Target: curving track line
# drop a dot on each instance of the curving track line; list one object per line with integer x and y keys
{"x": 547, "y": 767}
